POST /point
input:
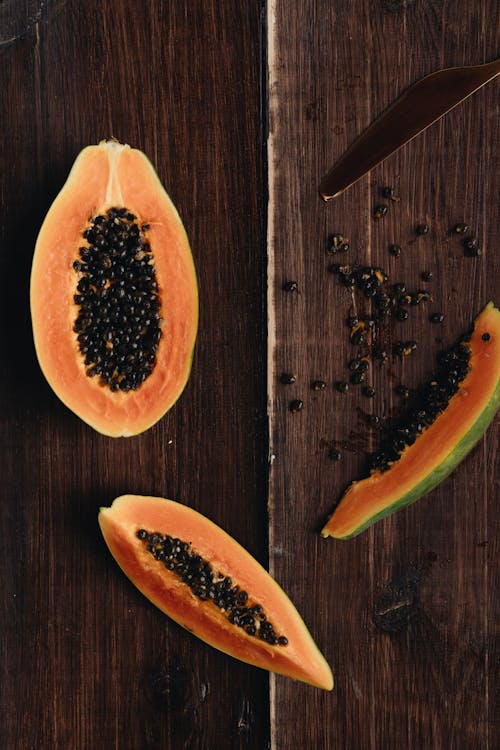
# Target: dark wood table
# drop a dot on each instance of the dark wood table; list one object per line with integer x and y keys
{"x": 242, "y": 106}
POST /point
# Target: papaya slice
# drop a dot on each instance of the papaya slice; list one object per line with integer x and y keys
{"x": 198, "y": 575}
{"x": 452, "y": 413}
{"x": 114, "y": 298}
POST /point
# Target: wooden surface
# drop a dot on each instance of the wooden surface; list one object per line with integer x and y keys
{"x": 87, "y": 662}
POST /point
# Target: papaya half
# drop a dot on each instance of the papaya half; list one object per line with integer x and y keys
{"x": 114, "y": 298}
{"x": 447, "y": 419}
{"x": 198, "y": 575}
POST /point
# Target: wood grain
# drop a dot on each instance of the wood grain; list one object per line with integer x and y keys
{"x": 87, "y": 662}
{"x": 423, "y": 680}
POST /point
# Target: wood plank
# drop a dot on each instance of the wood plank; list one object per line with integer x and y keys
{"x": 424, "y": 681}
{"x": 86, "y": 661}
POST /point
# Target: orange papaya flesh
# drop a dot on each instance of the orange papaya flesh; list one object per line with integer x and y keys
{"x": 112, "y": 176}
{"x": 439, "y": 448}
{"x": 198, "y": 575}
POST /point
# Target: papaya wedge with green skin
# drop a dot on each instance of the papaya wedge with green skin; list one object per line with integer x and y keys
{"x": 199, "y": 576}
{"x": 441, "y": 446}
{"x": 78, "y": 346}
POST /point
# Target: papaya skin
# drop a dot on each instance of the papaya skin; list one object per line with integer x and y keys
{"x": 104, "y": 176}
{"x": 300, "y": 659}
{"x": 440, "y": 448}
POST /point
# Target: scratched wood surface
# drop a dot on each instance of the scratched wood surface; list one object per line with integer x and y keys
{"x": 405, "y": 613}
{"x": 87, "y": 662}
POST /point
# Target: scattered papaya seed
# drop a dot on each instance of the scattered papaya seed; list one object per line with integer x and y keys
{"x": 379, "y": 354}
{"x": 436, "y": 318}
{"x": 421, "y": 296}
{"x": 390, "y": 193}
{"x": 337, "y": 243}
{"x": 421, "y": 229}
{"x": 364, "y": 364}
{"x": 353, "y": 365}
{"x": 380, "y": 211}
{"x": 357, "y": 338}
{"x": 472, "y": 249}
{"x": 318, "y": 385}
{"x": 409, "y": 347}
{"x": 342, "y": 386}
{"x": 357, "y": 377}
{"x": 296, "y": 405}
{"x": 404, "y": 348}
{"x": 334, "y": 455}
{"x": 402, "y": 391}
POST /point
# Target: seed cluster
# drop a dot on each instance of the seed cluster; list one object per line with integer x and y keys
{"x": 381, "y": 209}
{"x": 373, "y": 283}
{"x": 388, "y": 300}
{"x": 180, "y": 558}
{"x": 118, "y": 322}
{"x": 427, "y": 404}
{"x": 471, "y": 244}
{"x": 337, "y": 243}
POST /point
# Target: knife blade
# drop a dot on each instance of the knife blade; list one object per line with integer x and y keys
{"x": 419, "y": 106}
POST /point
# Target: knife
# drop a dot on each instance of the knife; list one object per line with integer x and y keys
{"x": 418, "y": 107}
